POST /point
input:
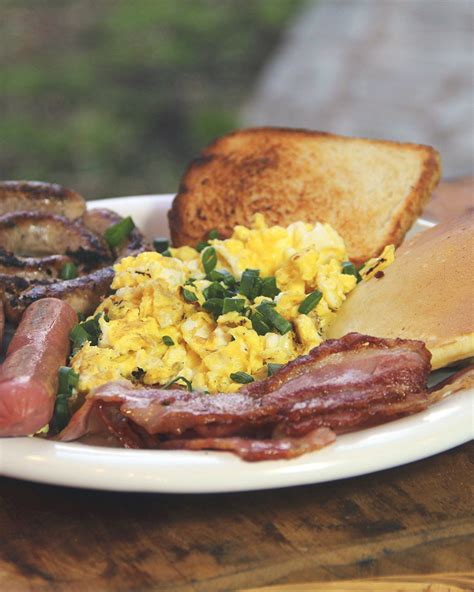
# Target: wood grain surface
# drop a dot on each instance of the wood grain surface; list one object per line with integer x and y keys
{"x": 411, "y": 520}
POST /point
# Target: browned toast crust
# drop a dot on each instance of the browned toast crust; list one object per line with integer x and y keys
{"x": 294, "y": 174}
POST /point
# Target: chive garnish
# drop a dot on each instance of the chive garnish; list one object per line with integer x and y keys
{"x": 86, "y": 331}
{"x": 189, "y": 296}
{"x": 167, "y": 253}
{"x": 214, "y": 305}
{"x": 68, "y": 380}
{"x": 269, "y": 287}
{"x": 214, "y": 290}
{"x": 68, "y": 271}
{"x": 201, "y": 246}
{"x": 233, "y": 304}
{"x": 188, "y": 383}
{"x": 213, "y": 234}
{"x": 241, "y": 377}
{"x": 349, "y": 268}
{"x": 222, "y": 275}
{"x": 259, "y": 324}
{"x": 161, "y": 244}
{"x": 167, "y": 340}
{"x": 209, "y": 259}
{"x": 273, "y": 368}
{"x": 78, "y": 336}
{"x": 274, "y": 318}
{"x": 310, "y": 302}
{"x": 117, "y": 233}
{"x": 248, "y": 281}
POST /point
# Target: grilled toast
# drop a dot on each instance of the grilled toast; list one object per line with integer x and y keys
{"x": 370, "y": 191}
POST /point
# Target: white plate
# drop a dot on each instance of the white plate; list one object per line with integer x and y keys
{"x": 439, "y": 428}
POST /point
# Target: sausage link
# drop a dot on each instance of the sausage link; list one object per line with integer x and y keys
{"x": 29, "y": 374}
{"x": 41, "y": 197}
{"x": 2, "y": 324}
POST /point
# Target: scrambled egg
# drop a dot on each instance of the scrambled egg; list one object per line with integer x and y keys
{"x": 373, "y": 266}
{"x": 162, "y": 321}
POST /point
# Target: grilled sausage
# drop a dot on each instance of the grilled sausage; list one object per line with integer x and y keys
{"x": 39, "y": 234}
{"x": 83, "y": 294}
{"x": 32, "y": 268}
{"x": 2, "y": 324}
{"x": 29, "y": 374}
{"x": 29, "y": 271}
{"x": 99, "y": 219}
{"x": 43, "y": 197}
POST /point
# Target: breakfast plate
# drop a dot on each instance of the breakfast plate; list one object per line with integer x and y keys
{"x": 445, "y": 425}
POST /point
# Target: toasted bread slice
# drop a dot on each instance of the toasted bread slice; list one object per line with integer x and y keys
{"x": 370, "y": 191}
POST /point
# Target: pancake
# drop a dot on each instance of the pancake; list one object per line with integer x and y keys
{"x": 426, "y": 294}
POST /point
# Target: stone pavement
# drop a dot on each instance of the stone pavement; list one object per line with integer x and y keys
{"x": 396, "y": 69}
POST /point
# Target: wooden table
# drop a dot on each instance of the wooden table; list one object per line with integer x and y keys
{"x": 416, "y": 519}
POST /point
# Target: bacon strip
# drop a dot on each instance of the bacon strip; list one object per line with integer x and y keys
{"x": 463, "y": 379}
{"x": 342, "y": 385}
{"x": 254, "y": 449}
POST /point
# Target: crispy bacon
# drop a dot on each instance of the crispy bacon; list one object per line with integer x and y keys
{"x": 463, "y": 379}
{"x": 342, "y": 385}
{"x": 253, "y": 449}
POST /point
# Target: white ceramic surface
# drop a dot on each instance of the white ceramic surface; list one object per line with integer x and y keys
{"x": 443, "y": 426}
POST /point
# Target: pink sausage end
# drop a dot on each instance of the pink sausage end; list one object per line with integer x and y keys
{"x": 22, "y": 407}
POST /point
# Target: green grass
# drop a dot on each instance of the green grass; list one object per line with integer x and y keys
{"x": 115, "y": 97}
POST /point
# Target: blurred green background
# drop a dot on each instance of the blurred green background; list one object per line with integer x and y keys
{"x": 115, "y": 97}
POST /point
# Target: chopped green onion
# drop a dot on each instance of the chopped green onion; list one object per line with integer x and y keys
{"x": 310, "y": 302}
{"x": 259, "y": 324}
{"x": 349, "y": 268}
{"x": 256, "y": 288}
{"x": 167, "y": 253}
{"x": 209, "y": 259}
{"x": 233, "y": 304}
{"x": 222, "y": 276}
{"x": 188, "y": 383}
{"x": 68, "y": 380}
{"x": 92, "y": 326}
{"x": 61, "y": 414}
{"x": 273, "y": 368}
{"x": 269, "y": 287}
{"x": 248, "y": 281}
{"x": 241, "y": 377}
{"x": 201, "y": 246}
{"x": 167, "y": 340}
{"x": 161, "y": 244}
{"x": 229, "y": 280}
{"x": 68, "y": 271}
{"x": 117, "y": 233}
{"x": 189, "y": 296}
{"x": 213, "y": 234}
{"x": 214, "y": 305}
{"x": 274, "y": 318}
{"x": 214, "y": 290}
{"x": 86, "y": 331}
{"x": 79, "y": 336}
